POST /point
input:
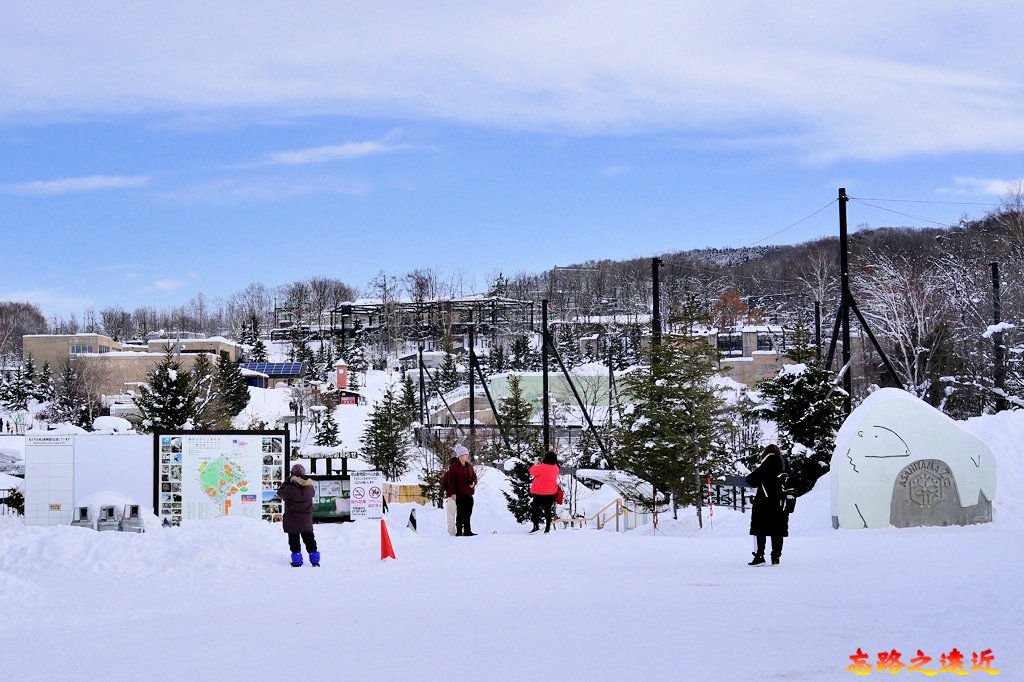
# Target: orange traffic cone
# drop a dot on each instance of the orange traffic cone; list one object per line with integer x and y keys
{"x": 386, "y": 550}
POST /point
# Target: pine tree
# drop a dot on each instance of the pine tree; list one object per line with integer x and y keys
{"x": 327, "y": 436}
{"x": 497, "y": 360}
{"x": 207, "y": 413}
{"x": 569, "y": 347}
{"x": 805, "y": 403}
{"x": 168, "y": 402}
{"x": 410, "y": 399}
{"x": 448, "y": 376}
{"x": 674, "y": 429}
{"x": 244, "y": 336}
{"x": 29, "y": 371}
{"x": 68, "y": 402}
{"x": 526, "y": 448}
{"x": 45, "y": 386}
{"x": 357, "y": 354}
{"x": 520, "y": 360}
{"x": 386, "y": 441}
{"x": 232, "y": 391}
{"x": 15, "y": 391}
{"x": 353, "y": 380}
{"x": 259, "y": 351}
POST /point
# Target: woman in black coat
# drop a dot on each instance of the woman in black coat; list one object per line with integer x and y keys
{"x": 767, "y": 518}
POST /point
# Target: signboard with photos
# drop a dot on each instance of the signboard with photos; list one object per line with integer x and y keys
{"x": 207, "y": 474}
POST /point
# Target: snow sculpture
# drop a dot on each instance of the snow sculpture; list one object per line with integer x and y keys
{"x": 900, "y": 462}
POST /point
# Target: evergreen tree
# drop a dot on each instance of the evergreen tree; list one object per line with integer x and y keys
{"x": 244, "y": 336}
{"x": 259, "y": 351}
{"x": 448, "y": 378}
{"x": 497, "y": 360}
{"x": 45, "y": 386}
{"x": 675, "y": 428}
{"x": 569, "y": 347}
{"x": 207, "y": 413}
{"x": 232, "y": 391}
{"x": 15, "y": 391}
{"x": 805, "y": 403}
{"x": 386, "y": 441}
{"x": 327, "y": 436}
{"x": 521, "y": 360}
{"x": 357, "y": 354}
{"x": 410, "y": 399}
{"x": 29, "y": 371}
{"x": 168, "y": 402}
{"x": 68, "y": 402}
{"x": 526, "y": 448}
{"x": 353, "y": 380}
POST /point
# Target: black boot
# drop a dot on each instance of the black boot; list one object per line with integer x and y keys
{"x": 536, "y": 527}
{"x": 758, "y": 560}
{"x": 469, "y": 533}
{"x": 775, "y": 561}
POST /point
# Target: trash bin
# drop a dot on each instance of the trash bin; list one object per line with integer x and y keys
{"x": 82, "y": 519}
{"x": 108, "y": 519}
{"x": 130, "y": 520}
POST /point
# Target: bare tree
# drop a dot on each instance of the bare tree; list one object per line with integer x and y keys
{"x": 117, "y": 323}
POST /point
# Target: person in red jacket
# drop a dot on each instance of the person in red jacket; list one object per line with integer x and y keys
{"x": 460, "y": 481}
{"x": 297, "y": 494}
{"x": 544, "y": 489}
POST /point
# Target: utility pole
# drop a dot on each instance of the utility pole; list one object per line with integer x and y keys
{"x": 544, "y": 373}
{"x": 472, "y": 390}
{"x": 423, "y": 391}
{"x": 656, "y": 295}
{"x": 817, "y": 330}
{"x": 846, "y": 304}
{"x": 999, "y": 369}
{"x": 844, "y": 280}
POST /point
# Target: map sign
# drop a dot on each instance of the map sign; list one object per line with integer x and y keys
{"x": 208, "y": 475}
{"x": 367, "y": 495}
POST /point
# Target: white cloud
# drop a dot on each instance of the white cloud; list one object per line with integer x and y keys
{"x": 338, "y": 152}
{"x": 232, "y": 191}
{"x": 965, "y": 186}
{"x": 167, "y": 284}
{"x": 614, "y": 171}
{"x": 869, "y": 79}
{"x": 90, "y": 183}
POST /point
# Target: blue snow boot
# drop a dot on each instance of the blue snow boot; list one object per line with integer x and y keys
{"x": 314, "y": 558}
{"x": 296, "y": 559}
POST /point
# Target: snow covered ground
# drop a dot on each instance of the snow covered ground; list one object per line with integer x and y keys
{"x": 217, "y": 600}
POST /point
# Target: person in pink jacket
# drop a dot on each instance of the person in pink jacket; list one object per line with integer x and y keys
{"x": 544, "y": 489}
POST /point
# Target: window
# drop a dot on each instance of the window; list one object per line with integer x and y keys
{"x": 730, "y": 344}
{"x": 104, "y": 349}
{"x": 80, "y": 348}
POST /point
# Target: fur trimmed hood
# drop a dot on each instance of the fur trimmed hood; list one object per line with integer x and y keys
{"x": 299, "y": 480}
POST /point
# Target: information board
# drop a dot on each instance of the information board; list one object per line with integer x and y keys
{"x": 367, "y": 496}
{"x": 203, "y": 475}
{"x": 331, "y": 499}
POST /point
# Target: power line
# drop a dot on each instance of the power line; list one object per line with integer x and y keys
{"x": 788, "y": 227}
{"x": 926, "y": 201}
{"x": 905, "y": 215}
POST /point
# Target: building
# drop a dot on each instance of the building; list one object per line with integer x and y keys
{"x": 115, "y": 368}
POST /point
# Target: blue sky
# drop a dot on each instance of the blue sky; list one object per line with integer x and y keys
{"x": 148, "y": 153}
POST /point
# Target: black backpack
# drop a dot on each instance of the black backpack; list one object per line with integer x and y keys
{"x": 787, "y": 494}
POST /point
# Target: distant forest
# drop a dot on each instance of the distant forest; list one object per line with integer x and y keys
{"x": 926, "y": 292}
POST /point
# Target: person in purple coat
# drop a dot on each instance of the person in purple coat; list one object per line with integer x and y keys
{"x": 297, "y": 495}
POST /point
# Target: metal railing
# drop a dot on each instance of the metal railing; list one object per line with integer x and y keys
{"x": 5, "y": 508}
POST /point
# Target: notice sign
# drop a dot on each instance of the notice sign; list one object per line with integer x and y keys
{"x": 367, "y": 496}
